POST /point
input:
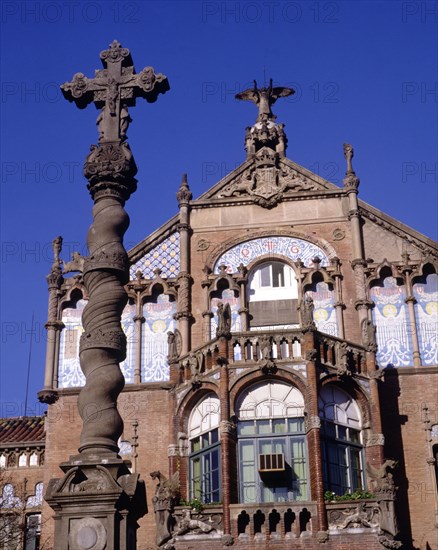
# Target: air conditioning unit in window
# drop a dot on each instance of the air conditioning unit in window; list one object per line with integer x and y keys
{"x": 271, "y": 462}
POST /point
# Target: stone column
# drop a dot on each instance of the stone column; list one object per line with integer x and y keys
{"x": 242, "y": 281}
{"x": 98, "y": 501}
{"x": 376, "y": 440}
{"x": 183, "y": 314}
{"x": 313, "y": 427}
{"x": 351, "y": 186}
{"x": 411, "y": 301}
{"x": 339, "y": 304}
{"x": 228, "y": 445}
{"x": 54, "y": 326}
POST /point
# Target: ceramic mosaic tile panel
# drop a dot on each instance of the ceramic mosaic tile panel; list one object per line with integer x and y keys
{"x": 165, "y": 256}
{"x": 291, "y": 248}
{"x": 391, "y": 317}
{"x": 158, "y": 322}
{"x": 69, "y": 371}
{"x": 324, "y": 313}
{"x": 426, "y": 311}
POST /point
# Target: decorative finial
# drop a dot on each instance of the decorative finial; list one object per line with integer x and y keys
{"x": 264, "y": 97}
{"x": 184, "y": 195}
{"x": 351, "y": 181}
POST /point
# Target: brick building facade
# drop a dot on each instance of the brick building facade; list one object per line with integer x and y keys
{"x": 282, "y": 353}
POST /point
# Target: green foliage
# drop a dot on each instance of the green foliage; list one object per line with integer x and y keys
{"x": 360, "y": 494}
{"x": 193, "y": 504}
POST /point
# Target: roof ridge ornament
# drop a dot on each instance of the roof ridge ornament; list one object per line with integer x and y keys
{"x": 264, "y": 97}
{"x": 265, "y": 132}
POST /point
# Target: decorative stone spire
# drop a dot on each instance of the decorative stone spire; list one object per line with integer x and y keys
{"x": 265, "y": 132}
{"x": 351, "y": 181}
{"x": 184, "y": 195}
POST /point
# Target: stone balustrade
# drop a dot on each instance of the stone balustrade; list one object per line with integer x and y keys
{"x": 274, "y": 521}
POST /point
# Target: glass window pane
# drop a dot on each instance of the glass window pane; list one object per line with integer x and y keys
{"x": 265, "y": 276}
{"x": 342, "y": 433}
{"x": 214, "y": 436}
{"x": 196, "y": 445}
{"x": 264, "y": 427}
{"x": 279, "y": 426}
{"x": 246, "y": 428}
{"x": 354, "y": 436}
{"x": 205, "y": 440}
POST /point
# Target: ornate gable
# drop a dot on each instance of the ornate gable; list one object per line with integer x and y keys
{"x": 267, "y": 179}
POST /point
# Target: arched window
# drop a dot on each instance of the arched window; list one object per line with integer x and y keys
{"x": 204, "y": 458}
{"x": 33, "y": 459}
{"x": 272, "y": 447}
{"x": 273, "y": 296}
{"x": 342, "y": 449}
{"x": 22, "y": 460}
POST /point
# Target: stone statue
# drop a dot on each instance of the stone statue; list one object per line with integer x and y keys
{"x": 348, "y": 154}
{"x": 57, "y": 247}
{"x": 171, "y": 346}
{"x": 125, "y": 119}
{"x": 264, "y": 98}
{"x": 382, "y": 478}
{"x": 265, "y": 347}
{"x": 369, "y": 338}
{"x": 187, "y": 523}
{"x": 306, "y": 310}
{"x": 360, "y": 516}
{"x": 166, "y": 493}
{"x": 223, "y": 319}
{"x": 342, "y": 360}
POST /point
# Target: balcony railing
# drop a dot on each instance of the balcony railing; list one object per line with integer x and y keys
{"x": 246, "y": 348}
{"x": 279, "y": 521}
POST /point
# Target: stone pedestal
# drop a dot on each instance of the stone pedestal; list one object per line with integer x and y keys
{"x": 97, "y": 503}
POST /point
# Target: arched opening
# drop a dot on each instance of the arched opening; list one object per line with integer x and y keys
{"x": 341, "y": 439}
{"x": 204, "y": 449}
{"x": 272, "y": 455}
{"x": 273, "y": 296}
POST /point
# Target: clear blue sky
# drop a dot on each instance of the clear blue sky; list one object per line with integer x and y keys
{"x": 365, "y": 72}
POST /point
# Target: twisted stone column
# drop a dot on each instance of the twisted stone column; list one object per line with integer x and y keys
{"x": 103, "y": 343}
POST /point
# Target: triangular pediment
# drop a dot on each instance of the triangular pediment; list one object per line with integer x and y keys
{"x": 267, "y": 179}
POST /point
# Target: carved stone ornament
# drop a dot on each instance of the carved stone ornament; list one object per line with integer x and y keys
{"x": 389, "y": 543}
{"x": 312, "y": 422}
{"x": 114, "y": 339}
{"x": 203, "y": 244}
{"x": 164, "y": 501}
{"x": 223, "y": 320}
{"x": 184, "y": 195}
{"x": 375, "y": 439}
{"x": 382, "y": 478}
{"x": 369, "y": 338}
{"x": 197, "y": 523}
{"x": 76, "y": 264}
{"x": 322, "y": 536}
{"x": 228, "y": 427}
{"x": 174, "y": 346}
{"x": 338, "y": 234}
{"x": 264, "y": 97}
{"x": 360, "y": 515}
{"x": 108, "y": 164}
{"x": 351, "y": 181}
{"x": 87, "y": 533}
{"x": 265, "y": 182}
{"x": 103, "y": 259}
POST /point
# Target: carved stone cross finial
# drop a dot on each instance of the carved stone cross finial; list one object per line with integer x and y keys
{"x": 349, "y": 154}
{"x": 265, "y": 97}
{"x": 113, "y": 89}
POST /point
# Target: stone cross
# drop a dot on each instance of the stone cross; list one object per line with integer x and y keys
{"x": 113, "y": 89}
